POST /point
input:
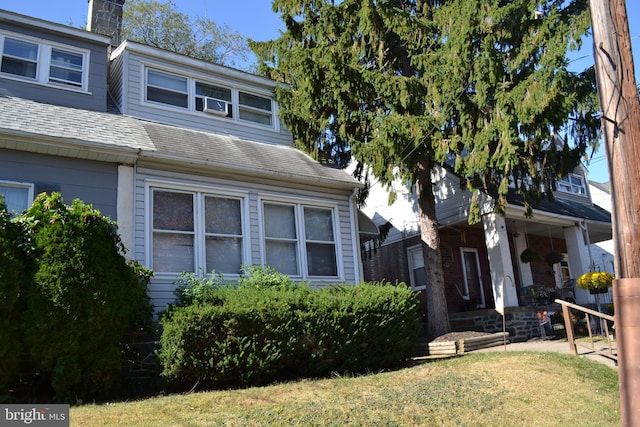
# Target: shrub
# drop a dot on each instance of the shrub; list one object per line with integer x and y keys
{"x": 84, "y": 299}
{"x": 254, "y": 334}
{"x": 192, "y": 289}
{"x": 13, "y": 280}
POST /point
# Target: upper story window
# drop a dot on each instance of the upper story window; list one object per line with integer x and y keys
{"x": 212, "y": 99}
{"x": 573, "y": 184}
{"x": 43, "y": 63}
{"x": 167, "y": 89}
{"x": 255, "y": 108}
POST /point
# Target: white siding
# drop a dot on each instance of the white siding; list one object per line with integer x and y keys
{"x": 162, "y": 287}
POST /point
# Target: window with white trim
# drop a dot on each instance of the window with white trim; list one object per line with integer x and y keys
{"x": 416, "y": 268}
{"x": 300, "y": 240}
{"x": 254, "y": 108}
{"x": 43, "y": 62}
{"x": 175, "y": 90}
{"x": 167, "y": 88}
{"x": 17, "y": 196}
{"x": 204, "y": 90}
{"x": 573, "y": 184}
{"x": 196, "y": 231}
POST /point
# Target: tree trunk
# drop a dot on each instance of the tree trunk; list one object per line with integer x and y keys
{"x": 437, "y": 313}
{"x": 621, "y": 124}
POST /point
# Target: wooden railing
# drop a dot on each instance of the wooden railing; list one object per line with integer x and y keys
{"x": 603, "y": 318}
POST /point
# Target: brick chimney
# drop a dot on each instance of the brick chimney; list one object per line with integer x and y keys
{"x": 105, "y": 17}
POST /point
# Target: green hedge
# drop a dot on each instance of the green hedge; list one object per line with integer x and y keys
{"x": 14, "y": 264}
{"x": 254, "y": 334}
{"x": 78, "y": 296}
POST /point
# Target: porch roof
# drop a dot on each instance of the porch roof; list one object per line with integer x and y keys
{"x": 564, "y": 210}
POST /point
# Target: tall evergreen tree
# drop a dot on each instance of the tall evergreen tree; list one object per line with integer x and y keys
{"x": 405, "y": 85}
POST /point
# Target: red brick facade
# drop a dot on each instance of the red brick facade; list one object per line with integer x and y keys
{"x": 390, "y": 263}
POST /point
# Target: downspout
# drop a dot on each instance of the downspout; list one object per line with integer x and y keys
{"x": 355, "y": 236}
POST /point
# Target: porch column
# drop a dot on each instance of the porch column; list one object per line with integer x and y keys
{"x": 124, "y": 207}
{"x": 579, "y": 260}
{"x": 502, "y": 278}
{"x": 520, "y": 243}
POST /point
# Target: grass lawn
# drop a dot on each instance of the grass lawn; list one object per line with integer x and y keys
{"x": 478, "y": 389}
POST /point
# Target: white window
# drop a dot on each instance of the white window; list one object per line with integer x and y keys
{"x": 195, "y": 231}
{"x": 20, "y": 58}
{"x": 65, "y": 68}
{"x": 204, "y": 90}
{"x": 186, "y": 92}
{"x": 43, "y": 62}
{"x": 167, "y": 88}
{"x": 300, "y": 240}
{"x": 417, "y": 273}
{"x": 17, "y": 196}
{"x": 255, "y": 109}
{"x": 572, "y": 183}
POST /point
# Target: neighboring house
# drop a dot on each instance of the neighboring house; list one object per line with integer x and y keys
{"x": 601, "y": 253}
{"x": 189, "y": 157}
{"x": 482, "y": 264}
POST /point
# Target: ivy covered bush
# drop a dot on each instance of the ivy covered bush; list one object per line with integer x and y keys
{"x": 79, "y": 297}
{"x": 266, "y": 328}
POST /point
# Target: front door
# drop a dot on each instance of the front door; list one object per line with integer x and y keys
{"x": 472, "y": 279}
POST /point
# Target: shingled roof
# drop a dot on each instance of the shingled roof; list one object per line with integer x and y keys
{"x": 32, "y": 126}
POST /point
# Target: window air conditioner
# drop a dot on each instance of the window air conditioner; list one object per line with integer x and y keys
{"x": 216, "y": 106}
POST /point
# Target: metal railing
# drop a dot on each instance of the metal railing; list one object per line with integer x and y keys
{"x": 609, "y": 351}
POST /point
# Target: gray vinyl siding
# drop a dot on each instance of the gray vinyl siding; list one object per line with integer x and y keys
{"x": 162, "y": 286}
{"x": 132, "y": 102}
{"x": 116, "y": 81}
{"x": 453, "y": 202}
{"x": 96, "y": 95}
{"x": 90, "y": 181}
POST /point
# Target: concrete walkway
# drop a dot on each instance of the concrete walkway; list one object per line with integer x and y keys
{"x": 559, "y": 346}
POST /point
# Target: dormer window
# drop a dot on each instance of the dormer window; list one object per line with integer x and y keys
{"x": 255, "y": 109}
{"x": 217, "y": 101}
{"x": 20, "y": 58}
{"x": 213, "y": 92}
{"x": 43, "y": 63}
{"x": 573, "y": 184}
{"x": 167, "y": 88}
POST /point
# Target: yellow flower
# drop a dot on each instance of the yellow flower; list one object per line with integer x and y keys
{"x": 595, "y": 280}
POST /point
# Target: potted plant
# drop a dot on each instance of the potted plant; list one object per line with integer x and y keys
{"x": 554, "y": 257}
{"x": 529, "y": 255}
{"x": 596, "y": 282}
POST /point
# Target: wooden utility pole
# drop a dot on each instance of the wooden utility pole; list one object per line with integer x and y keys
{"x": 620, "y": 108}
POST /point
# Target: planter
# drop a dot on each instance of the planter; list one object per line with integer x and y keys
{"x": 452, "y": 348}
{"x": 529, "y": 255}
{"x": 598, "y": 291}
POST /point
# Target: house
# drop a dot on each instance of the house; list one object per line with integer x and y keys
{"x": 188, "y": 157}
{"x": 485, "y": 270}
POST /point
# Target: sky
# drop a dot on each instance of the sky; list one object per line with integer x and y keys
{"x": 255, "y": 19}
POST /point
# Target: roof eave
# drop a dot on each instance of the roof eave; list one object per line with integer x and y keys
{"x": 239, "y": 170}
